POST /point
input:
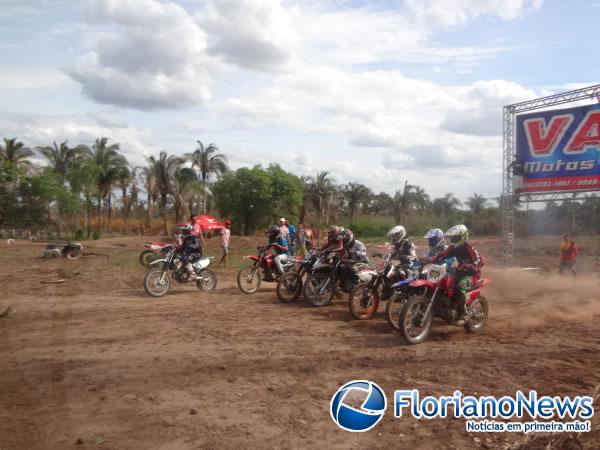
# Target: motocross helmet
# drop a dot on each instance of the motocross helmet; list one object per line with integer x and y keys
{"x": 273, "y": 231}
{"x": 458, "y": 234}
{"x": 186, "y": 229}
{"x": 396, "y": 234}
{"x": 333, "y": 232}
{"x": 435, "y": 237}
{"x": 347, "y": 237}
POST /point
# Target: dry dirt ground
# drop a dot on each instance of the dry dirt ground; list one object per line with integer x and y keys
{"x": 94, "y": 363}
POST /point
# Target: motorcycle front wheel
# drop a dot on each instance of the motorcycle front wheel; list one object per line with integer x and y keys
{"x": 319, "y": 289}
{"x": 393, "y": 308}
{"x": 207, "y": 280}
{"x": 289, "y": 287}
{"x": 248, "y": 279}
{"x": 415, "y": 323}
{"x": 363, "y": 301}
{"x": 478, "y": 315}
{"x": 154, "y": 285}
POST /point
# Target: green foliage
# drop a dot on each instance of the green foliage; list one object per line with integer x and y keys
{"x": 254, "y": 197}
{"x": 96, "y": 235}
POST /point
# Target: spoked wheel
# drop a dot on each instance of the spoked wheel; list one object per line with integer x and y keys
{"x": 363, "y": 301}
{"x": 319, "y": 289}
{"x": 478, "y": 315}
{"x": 156, "y": 283}
{"x": 148, "y": 256}
{"x": 207, "y": 280}
{"x": 415, "y": 323}
{"x": 248, "y": 280}
{"x": 289, "y": 287}
{"x": 393, "y": 308}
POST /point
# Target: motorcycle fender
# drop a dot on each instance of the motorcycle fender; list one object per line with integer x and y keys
{"x": 251, "y": 257}
{"x": 203, "y": 263}
{"x": 473, "y": 295}
{"x": 158, "y": 261}
{"x": 366, "y": 275}
{"x": 421, "y": 283}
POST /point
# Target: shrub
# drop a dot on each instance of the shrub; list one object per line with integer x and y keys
{"x": 96, "y": 235}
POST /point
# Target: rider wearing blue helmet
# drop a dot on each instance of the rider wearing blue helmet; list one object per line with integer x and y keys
{"x": 437, "y": 244}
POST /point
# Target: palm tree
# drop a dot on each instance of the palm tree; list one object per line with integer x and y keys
{"x": 477, "y": 203}
{"x": 421, "y": 199}
{"x": 446, "y": 205}
{"x": 163, "y": 170}
{"x": 183, "y": 181}
{"x": 403, "y": 201}
{"x": 16, "y": 153}
{"x": 110, "y": 167}
{"x": 62, "y": 157}
{"x": 356, "y": 195}
{"x": 321, "y": 190}
{"x": 149, "y": 182}
{"x": 210, "y": 163}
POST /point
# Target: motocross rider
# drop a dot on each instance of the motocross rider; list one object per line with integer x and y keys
{"x": 437, "y": 244}
{"x": 279, "y": 245}
{"x": 469, "y": 266}
{"x": 190, "y": 249}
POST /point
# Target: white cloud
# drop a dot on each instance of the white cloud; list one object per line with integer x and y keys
{"x": 24, "y": 79}
{"x": 256, "y": 34}
{"x": 154, "y": 57}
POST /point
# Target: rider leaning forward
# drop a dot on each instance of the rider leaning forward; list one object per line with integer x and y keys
{"x": 469, "y": 266}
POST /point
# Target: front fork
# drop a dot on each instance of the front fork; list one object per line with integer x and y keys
{"x": 429, "y": 306}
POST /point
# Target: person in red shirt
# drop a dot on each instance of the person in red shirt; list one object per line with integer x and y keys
{"x": 568, "y": 255}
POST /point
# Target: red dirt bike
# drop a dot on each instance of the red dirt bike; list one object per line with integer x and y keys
{"x": 156, "y": 250}
{"x": 434, "y": 297}
{"x": 262, "y": 269}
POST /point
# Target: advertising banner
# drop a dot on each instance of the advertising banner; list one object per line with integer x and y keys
{"x": 558, "y": 150}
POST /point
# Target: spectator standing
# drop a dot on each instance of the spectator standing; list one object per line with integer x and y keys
{"x": 292, "y": 234}
{"x": 285, "y": 232}
{"x": 309, "y": 242}
{"x": 568, "y": 255}
{"x": 197, "y": 231}
{"x": 301, "y": 239}
{"x": 225, "y": 237}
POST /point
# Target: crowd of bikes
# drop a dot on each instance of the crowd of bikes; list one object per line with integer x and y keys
{"x": 443, "y": 283}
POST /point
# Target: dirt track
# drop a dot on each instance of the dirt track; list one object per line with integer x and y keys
{"x": 94, "y": 359}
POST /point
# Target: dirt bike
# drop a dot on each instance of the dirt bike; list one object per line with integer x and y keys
{"x": 157, "y": 281}
{"x": 330, "y": 273}
{"x": 385, "y": 282}
{"x": 289, "y": 285}
{"x": 156, "y": 250}
{"x": 263, "y": 268}
{"x": 434, "y": 296}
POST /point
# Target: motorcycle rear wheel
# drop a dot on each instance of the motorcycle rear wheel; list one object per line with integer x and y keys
{"x": 363, "y": 301}
{"x": 409, "y": 317}
{"x": 478, "y": 315}
{"x": 312, "y": 288}
{"x": 153, "y": 285}
{"x": 207, "y": 280}
{"x": 248, "y": 279}
{"x": 289, "y": 287}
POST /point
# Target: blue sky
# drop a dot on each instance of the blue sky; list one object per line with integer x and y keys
{"x": 373, "y": 91}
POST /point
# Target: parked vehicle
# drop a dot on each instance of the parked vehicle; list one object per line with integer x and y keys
{"x": 71, "y": 250}
{"x": 289, "y": 285}
{"x": 157, "y": 280}
{"x": 434, "y": 297}
{"x": 154, "y": 250}
{"x": 262, "y": 268}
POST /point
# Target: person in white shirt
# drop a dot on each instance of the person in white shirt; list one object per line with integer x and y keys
{"x": 225, "y": 236}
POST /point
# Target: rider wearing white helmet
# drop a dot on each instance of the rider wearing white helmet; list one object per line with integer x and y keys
{"x": 404, "y": 249}
{"x": 191, "y": 249}
{"x": 470, "y": 262}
